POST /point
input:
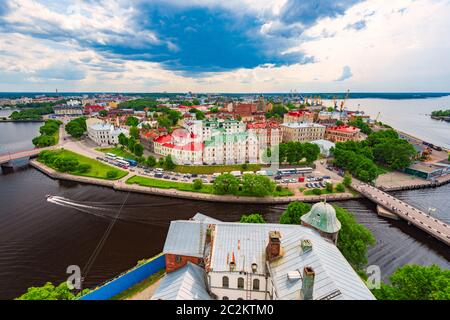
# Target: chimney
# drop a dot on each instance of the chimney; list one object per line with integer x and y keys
{"x": 308, "y": 283}
{"x": 273, "y": 250}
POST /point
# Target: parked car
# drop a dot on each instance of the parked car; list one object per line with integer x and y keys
{"x": 277, "y": 177}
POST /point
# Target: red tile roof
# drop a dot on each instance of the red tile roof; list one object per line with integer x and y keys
{"x": 164, "y": 139}
{"x": 344, "y": 128}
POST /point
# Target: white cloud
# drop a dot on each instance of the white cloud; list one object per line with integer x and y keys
{"x": 398, "y": 50}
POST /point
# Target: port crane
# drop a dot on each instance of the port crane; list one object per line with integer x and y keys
{"x": 345, "y": 100}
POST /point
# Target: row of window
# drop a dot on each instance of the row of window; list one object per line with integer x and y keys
{"x": 240, "y": 283}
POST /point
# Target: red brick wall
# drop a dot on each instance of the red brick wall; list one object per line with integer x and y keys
{"x": 172, "y": 264}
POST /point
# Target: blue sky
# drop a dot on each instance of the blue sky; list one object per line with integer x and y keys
{"x": 216, "y": 46}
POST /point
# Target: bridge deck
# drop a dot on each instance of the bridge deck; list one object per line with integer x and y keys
{"x": 420, "y": 219}
{"x": 22, "y": 154}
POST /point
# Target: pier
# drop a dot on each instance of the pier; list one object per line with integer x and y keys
{"x": 418, "y": 218}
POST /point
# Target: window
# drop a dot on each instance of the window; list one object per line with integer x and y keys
{"x": 256, "y": 284}
{"x": 225, "y": 298}
{"x": 225, "y": 282}
{"x": 240, "y": 283}
{"x": 178, "y": 259}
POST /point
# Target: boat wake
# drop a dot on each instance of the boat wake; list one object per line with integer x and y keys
{"x": 109, "y": 213}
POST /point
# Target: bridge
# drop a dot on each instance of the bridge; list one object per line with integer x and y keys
{"x": 32, "y": 153}
{"x": 420, "y": 219}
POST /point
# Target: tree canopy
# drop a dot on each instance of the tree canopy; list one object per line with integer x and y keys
{"x": 252, "y": 218}
{"x": 294, "y": 211}
{"x": 132, "y": 121}
{"x": 226, "y": 184}
{"x": 414, "y": 282}
{"x": 77, "y": 127}
{"x": 382, "y": 148}
{"x": 295, "y": 152}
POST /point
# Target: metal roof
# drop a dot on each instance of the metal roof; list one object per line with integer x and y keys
{"x": 186, "y": 238}
{"x": 200, "y": 217}
{"x": 335, "y": 279}
{"x": 187, "y": 283}
{"x": 246, "y": 242}
{"x": 323, "y": 217}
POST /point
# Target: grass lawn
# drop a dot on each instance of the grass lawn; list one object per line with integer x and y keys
{"x": 166, "y": 184}
{"x": 118, "y": 152}
{"x": 310, "y": 192}
{"x": 284, "y": 192}
{"x": 139, "y": 287}
{"x": 98, "y": 169}
{"x": 218, "y": 169}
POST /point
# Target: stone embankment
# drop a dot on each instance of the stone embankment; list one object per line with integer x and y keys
{"x": 121, "y": 185}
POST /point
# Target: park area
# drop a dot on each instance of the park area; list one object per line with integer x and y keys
{"x": 70, "y": 162}
{"x": 167, "y": 184}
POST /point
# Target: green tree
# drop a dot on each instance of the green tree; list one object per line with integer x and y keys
{"x": 252, "y": 218}
{"x": 66, "y": 164}
{"x": 329, "y": 187}
{"x": 123, "y": 140}
{"x": 48, "y": 292}
{"x": 103, "y": 113}
{"x": 151, "y": 161}
{"x": 414, "y": 282}
{"x": 226, "y": 184}
{"x": 294, "y": 211}
{"x": 169, "y": 164}
{"x": 44, "y": 141}
{"x": 347, "y": 180}
{"x": 77, "y": 127}
{"x": 257, "y": 185}
{"x": 84, "y": 168}
{"x": 161, "y": 162}
{"x": 354, "y": 239}
{"x": 196, "y": 102}
{"x": 198, "y": 184}
{"x": 134, "y": 132}
{"x": 138, "y": 149}
{"x": 317, "y": 191}
{"x": 132, "y": 121}
{"x": 395, "y": 153}
{"x": 131, "y": 144}
{"x": 340, "y": 187}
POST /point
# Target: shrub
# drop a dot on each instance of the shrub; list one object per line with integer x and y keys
{"x": 340, "y": 187}
{"x": 83, "y": 168}
{"x": 66, "y": 164}
{"x": 317, "y": 192}
{"x": 198, "y": 184}
{"x": 111, "y": 174}
{"x": 279, "y": 188}
{"x": 329, "y": 187}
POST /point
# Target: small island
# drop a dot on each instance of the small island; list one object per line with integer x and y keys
{"x": 441, "y": 115}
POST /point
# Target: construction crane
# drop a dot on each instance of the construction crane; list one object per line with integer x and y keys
{"x": 345, "y": 100}
{"x": 378, "y": 117}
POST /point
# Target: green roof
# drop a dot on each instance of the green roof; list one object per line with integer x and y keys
{"x": 322, "y": 217}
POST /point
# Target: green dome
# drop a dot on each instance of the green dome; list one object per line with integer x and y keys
{"x": 322, "y": 217}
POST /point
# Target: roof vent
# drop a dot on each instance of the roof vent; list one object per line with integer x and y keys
{"x": 306, "y": 245}
{"x": 294, "y": 275}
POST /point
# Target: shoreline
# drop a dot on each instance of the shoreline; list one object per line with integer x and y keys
{"x": 120, "y": 185}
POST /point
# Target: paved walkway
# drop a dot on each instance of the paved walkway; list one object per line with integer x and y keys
{"x": 147, "y": 293}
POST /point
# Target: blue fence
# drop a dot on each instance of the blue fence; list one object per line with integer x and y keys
{"x": 126, "y": 280}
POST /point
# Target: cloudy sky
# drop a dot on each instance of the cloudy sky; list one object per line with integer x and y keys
{"x": 225, "y": 46}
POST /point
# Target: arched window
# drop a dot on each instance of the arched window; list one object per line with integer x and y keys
{"x": 225, "y": 298}
{"x": 225, "y": 282}
{"x": 256, "y": 284}
{"x": 240, "y": 283}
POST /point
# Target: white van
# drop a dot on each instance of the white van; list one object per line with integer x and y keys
{"x": 262, "y": 173}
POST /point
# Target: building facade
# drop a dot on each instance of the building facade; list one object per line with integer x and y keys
{"x": 343, "y": 133}
{"x": 104, "y": 134}
{"x": 302, "y": 131}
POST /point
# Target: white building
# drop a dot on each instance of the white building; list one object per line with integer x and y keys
{"x": 325, "y": 146}
{"x": 210, "y": 142}
{"x": 245, "y": 261}
{"x": 104, "y": 134}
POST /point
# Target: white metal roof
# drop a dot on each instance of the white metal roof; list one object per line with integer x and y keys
{"x": 187, "y": 283}
{"x": 186, "y": 238}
